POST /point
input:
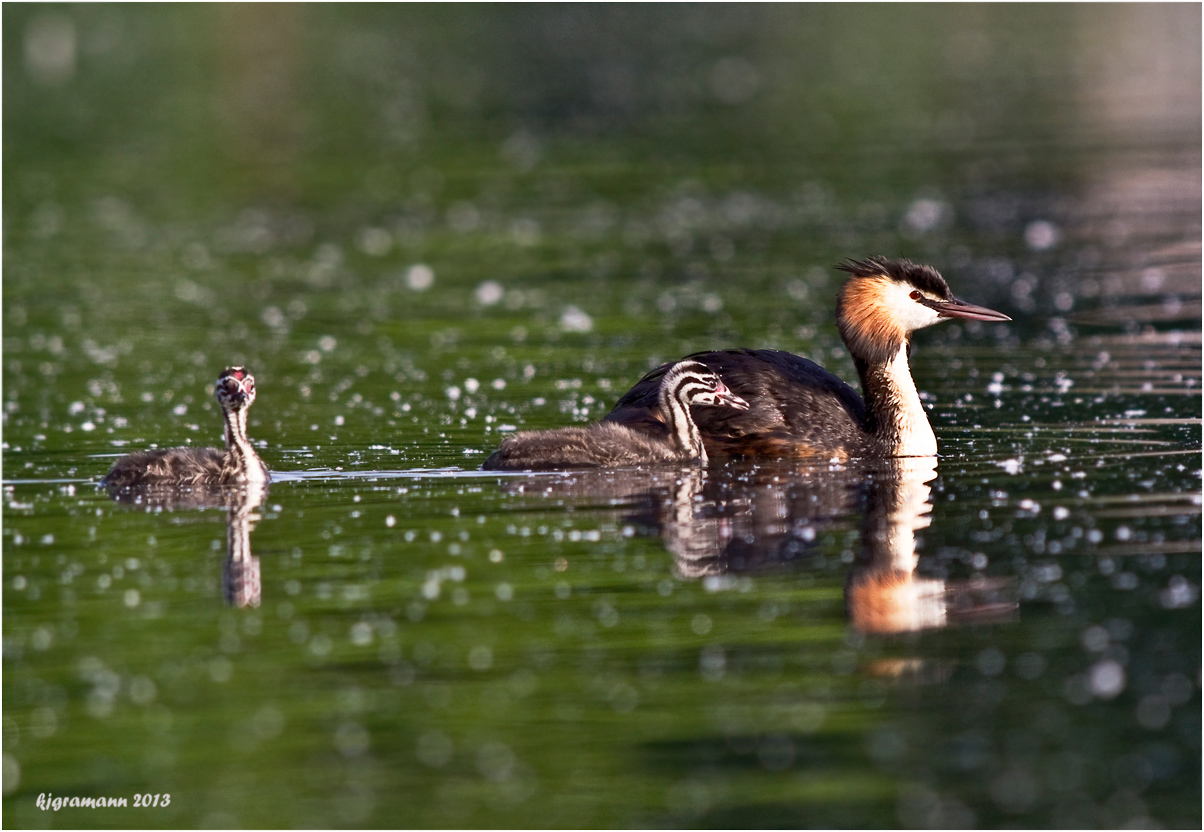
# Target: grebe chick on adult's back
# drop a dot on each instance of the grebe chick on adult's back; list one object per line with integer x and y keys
{"x": 675, "y": 438}
{"x": 799, "y": 409}
{"x": 237, "y": 465}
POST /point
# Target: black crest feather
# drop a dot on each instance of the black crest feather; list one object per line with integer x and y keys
{"x": 924, "y": 278}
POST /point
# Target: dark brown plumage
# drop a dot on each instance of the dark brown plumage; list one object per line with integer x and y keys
{"x": 799, "y": 409}
{"x": 238, "y": 464}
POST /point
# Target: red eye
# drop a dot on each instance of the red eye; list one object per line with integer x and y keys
{"x": 915, "y": 295}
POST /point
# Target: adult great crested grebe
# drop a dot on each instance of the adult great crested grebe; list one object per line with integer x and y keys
{"x": 797, "y": 408}
{"x": 674, "y": 437}
{"x": 237, "y": 465}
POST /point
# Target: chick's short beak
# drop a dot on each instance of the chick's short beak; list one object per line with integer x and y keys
{"x": 722, "y": 394}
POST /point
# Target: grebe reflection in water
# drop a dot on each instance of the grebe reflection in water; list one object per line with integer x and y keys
{"x": 241, "y": 583}
{"x": 744, "y": 521}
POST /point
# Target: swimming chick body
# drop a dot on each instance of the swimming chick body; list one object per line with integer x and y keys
{"x": 237, "y": 464}
{"x": 673, "y": 438}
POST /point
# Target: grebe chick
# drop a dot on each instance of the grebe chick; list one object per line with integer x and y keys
{"x": 798, "y": 409}
{"x": 673, "y": 438}
{"x": 237, "y": 465}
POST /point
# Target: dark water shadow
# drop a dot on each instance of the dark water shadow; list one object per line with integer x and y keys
{"x": 241, "y": 581}
{"x": 759, "y": 519}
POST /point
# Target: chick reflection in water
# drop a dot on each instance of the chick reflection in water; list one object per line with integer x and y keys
{"x": 771, "y": 518}
{"x": 241, "y": 586}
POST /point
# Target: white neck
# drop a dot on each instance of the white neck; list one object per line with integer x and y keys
{"x": 901, "y": 407}
{"x": 239, "y": 447}
{"x": 682, "y": 430}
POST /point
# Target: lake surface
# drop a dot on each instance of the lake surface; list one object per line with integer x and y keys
{"x": 422, "y": 228}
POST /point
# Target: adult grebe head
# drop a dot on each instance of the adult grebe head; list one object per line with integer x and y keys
{"x": 884, "y": 301}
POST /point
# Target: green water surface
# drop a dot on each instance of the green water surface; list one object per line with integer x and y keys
{"x": 422, "y": 227}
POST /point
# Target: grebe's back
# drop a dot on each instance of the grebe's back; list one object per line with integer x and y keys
{"x": 778, "y": 386}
